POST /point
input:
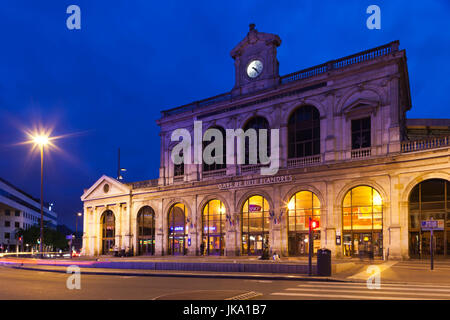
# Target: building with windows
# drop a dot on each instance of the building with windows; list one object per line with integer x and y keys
{"x": 19, "y": 210}
{"x": 348, "y": 157}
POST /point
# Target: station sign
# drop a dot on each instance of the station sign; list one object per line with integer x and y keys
{"x": 429, "y": 225}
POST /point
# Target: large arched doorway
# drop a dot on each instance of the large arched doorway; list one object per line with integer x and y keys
{"x": 213, "y": 231}
{"x": 428, "y": 200}
{"x": 178, "y": 230}
{"x": 146, "y": 231}
{"x": 362, "y": 222}
{"x": 302, "y": 206}
{"x": 108, "y": 223}
{"x": 255, "y": 225}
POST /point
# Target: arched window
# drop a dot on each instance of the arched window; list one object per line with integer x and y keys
{"x": 256, "y": 123}
{"x": 304, "y": 132}
{"x": 302, "y": 206}
{"x": 146, "y": 231}
{"x": 108, "y": 223}
{"x": 429, "y": 200}
{"x": 213, "y": 222}
{"x": 178, "y": 230}
{"x": 255, "y": 225}
{"x": 178, "y": 169}
{"x": 362, "y": 222}
{"x": 216, "y": 166}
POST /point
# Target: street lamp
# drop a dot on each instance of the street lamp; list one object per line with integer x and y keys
{"x": 41, "y": 141}
{"x": 79, "y": 214}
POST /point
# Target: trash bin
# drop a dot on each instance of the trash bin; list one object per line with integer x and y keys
{"x": 324, "y": 262}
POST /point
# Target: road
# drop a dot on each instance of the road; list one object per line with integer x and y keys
{"x": 26, "y": 284}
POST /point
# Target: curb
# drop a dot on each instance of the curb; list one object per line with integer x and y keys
{"x": 192, "y": 275}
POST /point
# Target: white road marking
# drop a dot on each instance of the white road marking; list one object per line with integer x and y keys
{"x": 340, "y": 296}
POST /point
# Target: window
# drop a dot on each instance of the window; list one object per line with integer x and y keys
{"x": 7, "y": 213}
{"x": 108, "y": 225}
{"x": 304, "y": 132}
{"x": 146, "y": 231}
{"x": 302, "y": 206}
{"x": 17, "y": 224}
{"x": 178, "y": 230}
{"x": 256, "y": 123}
{"x": 215, "y": 165}
{"x": 361, "y": 133}
{"x": 7, "y": 224}
{"x": 213, "y": 222}
{"x": 7, "y": 235}
{"x": 255, "y": 225}
{"x": 178, "y": 169}
{"x": 17, "y": 213}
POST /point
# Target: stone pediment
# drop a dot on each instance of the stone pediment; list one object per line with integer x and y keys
{"x": 361, "y": 107}
{"x": 255, "y": 37}
{"x": 105, "y": 187}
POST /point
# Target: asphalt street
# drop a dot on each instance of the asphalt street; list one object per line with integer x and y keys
{"x": 30, "y": 284}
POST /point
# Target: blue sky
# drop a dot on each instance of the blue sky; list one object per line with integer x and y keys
{"x": 131, "y": 59}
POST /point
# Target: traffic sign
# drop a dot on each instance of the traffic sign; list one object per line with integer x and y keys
{"x": 428, "y": 225}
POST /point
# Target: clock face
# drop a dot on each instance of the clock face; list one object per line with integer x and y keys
{"x": 254, "y": 68}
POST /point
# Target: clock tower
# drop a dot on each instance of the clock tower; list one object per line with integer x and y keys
{"x": 255, "y": 61}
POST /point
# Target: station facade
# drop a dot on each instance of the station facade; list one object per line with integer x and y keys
{"x": 348, "y": 157}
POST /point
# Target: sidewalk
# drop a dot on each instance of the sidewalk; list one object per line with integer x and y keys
{"x": 236, "y": 265}
{"x": 348, "y": 270}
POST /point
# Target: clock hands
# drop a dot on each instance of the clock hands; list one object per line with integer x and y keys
{"x": 255, "y": 69}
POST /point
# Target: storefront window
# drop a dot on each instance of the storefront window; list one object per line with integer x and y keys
{"x": 362, "y": 222}
{"x": 429, "y": 200}
{"x": 302, "y": 206}
{"x": 213, "y": 222}
{"x": 255, "y": 225}
{"x": 178, "y": 230}
{"x": 108, "y": 232}
{"x": 146, "y": 231}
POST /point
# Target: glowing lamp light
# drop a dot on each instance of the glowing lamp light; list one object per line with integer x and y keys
{"x": 291, "y": 205}
{"x": 377, "y": 200}
{"x": 41, "y": 140}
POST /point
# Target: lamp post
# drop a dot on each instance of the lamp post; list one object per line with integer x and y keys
{"x": 41, "y": 141}
{"x": 79, "y": 214}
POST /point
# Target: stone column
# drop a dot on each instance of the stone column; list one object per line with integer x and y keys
{"x": 159, "y": 234}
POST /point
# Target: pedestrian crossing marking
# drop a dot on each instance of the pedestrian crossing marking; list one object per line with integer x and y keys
{"x": 352, "y": 290}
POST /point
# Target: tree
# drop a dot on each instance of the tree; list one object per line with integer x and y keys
{"x": 52, "y": 238}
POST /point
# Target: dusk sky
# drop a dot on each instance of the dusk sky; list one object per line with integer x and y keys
{"x": 105, "y": 85}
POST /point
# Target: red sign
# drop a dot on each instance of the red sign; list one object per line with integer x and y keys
{"x": 314, "y": 224}
{"x": 254, "y": 208}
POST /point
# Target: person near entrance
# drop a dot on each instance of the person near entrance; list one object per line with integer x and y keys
{"x": 202, "y": 248}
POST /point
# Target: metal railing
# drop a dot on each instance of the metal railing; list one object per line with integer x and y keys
{"x": 305, "y": 161}
{"x": 418, "y": 145}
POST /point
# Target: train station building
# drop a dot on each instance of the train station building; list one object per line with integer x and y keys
{"x": 348, "y": 157}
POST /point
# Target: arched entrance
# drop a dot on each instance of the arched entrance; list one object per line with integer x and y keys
{"x": 178, "y": 230}
{"x": 302, "y": 206}
{"x": 108, "y": 223}
{"x": 255, "y": 225}
{"x": 146, "y": 231}
{"x": 428, "y": 200}
{"x": 213, "y": 230}
{"x": 362, "y": 222}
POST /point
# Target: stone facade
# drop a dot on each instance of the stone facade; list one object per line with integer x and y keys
{"x": 373, "y": 83}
